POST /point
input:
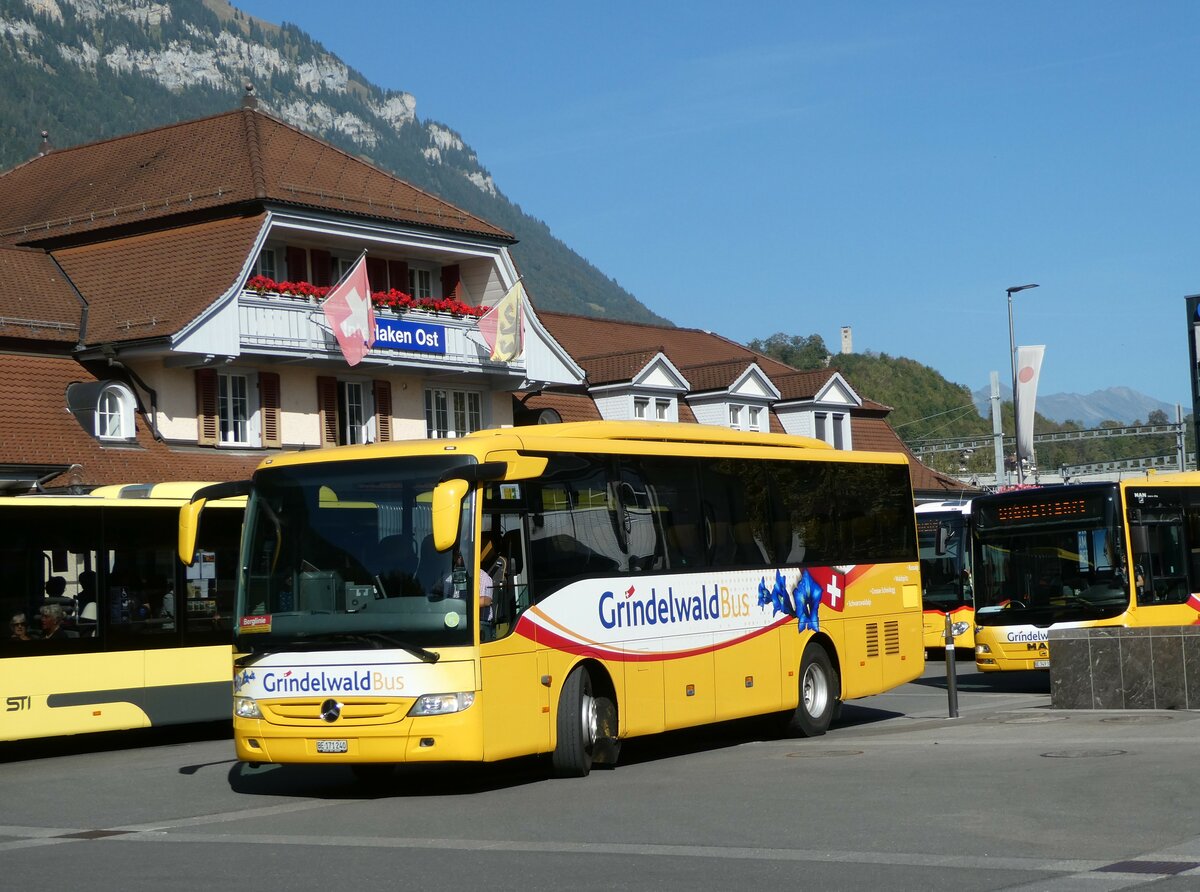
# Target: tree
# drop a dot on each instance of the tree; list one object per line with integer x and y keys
{"x": 794, "y": 350}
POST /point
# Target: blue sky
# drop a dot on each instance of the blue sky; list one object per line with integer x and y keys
{"x": 750, "y": 168}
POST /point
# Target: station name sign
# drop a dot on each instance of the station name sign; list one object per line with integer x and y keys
{"x": 416, "y": 337}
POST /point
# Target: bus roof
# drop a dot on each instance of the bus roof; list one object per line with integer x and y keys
{"x": 582, "y": 435}
{"x": 120, "y": 493}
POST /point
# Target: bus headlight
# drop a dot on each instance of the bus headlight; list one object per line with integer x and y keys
{"x": 959, "y": 629}
{"x": 442, "y": 704}
{"x": 246, "y": 708}
{"x": 982, "y": 649}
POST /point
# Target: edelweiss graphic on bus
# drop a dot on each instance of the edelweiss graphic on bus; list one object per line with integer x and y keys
{"x": 654, "y": 616}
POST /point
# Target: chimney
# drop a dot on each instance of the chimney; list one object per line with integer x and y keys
{"x": 248, "y": 101}
{"x": 45, "y": 148}
{"x": 847, "y": 340}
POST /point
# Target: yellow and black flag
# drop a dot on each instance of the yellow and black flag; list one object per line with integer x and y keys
{"x": 502, "y": 327}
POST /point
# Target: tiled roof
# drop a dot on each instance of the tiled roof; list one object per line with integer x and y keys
{"x": 36, "y": 429}
{"x": 874, "y": 434}
{"x": 221, "y": 161}
{"x": 151, "y": 285}
{"x": 715, "y": 375}
{"x": 36, "y": 301}
{"x": 570, "y": 407}
{"x": 615, "y": 366}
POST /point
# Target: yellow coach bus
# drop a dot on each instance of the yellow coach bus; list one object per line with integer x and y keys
{"x": 559, "y": 588}
{"x": 944, "y": 536}
{"x": 1092, "y": 554}
{"x": 106, "y": 629}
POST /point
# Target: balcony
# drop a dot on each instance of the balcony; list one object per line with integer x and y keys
{"x": 296, "y": 328}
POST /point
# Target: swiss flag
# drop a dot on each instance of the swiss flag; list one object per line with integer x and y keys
{"x": 350, "y": 314}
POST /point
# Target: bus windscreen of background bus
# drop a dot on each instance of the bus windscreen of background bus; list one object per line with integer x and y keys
{"x": 1045, "y": 557}
{"x": 107, "y": 629}
{"x": 944, "y": 533}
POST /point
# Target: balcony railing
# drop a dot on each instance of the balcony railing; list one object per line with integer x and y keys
{"x": 278, "y": 325}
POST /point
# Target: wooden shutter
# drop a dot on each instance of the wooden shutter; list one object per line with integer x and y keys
{"x": 377, "y": 269}
{"x": 383, "y": 411}
{"x": 297, "y": 264}
{"x": 208, "y": 421}
{"x": 450, "y": 280}
{"x": 322, "y": 267}
{"x": 398, "y": 275}
{"x": 268, "y": 398}
{"x": 327, "y": 409}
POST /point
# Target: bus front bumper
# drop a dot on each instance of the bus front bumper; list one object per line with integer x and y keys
{"x": 454, "y": 737}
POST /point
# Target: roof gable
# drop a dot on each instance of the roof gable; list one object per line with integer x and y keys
{"x": 221, "y": 161}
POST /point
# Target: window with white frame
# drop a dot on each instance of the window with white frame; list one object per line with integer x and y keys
{"x": 755, "y": 418}
{"x": 641, "y": 407}
{"x": 452, "y": 413}
{"x": 820, "y": 423}
{"x": 839, "y": 439}
{"x": 735, "y": 417}
{"x": 233, "y": 408}
{"x": 352, "y": 414}
{"x": 114, "y": 413}
{"x": 266, "y": 264}
{"x": 420, "y": 283}
{"x": 662, "y": 410}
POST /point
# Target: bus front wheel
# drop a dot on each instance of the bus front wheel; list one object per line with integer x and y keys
{"x": 819, "y": 690}
{"x": 587, "y": 727}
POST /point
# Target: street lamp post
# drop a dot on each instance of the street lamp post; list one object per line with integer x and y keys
{"x": 1012, "y": 347}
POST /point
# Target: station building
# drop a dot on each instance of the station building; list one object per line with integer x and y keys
{"x": 162, "y": 320}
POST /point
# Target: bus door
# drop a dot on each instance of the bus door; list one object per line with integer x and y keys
{"x": 516, "y": 702}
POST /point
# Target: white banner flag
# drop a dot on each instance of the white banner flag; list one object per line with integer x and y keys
{"x": 1029, "y": 366}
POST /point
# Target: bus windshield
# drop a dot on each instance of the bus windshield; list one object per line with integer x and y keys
{"x": 1056, "y": 556}
{"x": 944, "y": 579}
{"x": 341, "y": 555}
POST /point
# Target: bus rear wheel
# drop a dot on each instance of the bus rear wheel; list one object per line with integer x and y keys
{"x": 819, "y": 689}
{"x": 587, "y": 728}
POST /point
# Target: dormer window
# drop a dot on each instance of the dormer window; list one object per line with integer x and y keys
{"x": 114, "y": 413}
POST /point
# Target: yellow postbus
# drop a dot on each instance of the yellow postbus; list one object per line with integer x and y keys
{"x": 944, "y": 536}
{"x": 105, "y": 629}
{"x": 557, "y": 589}
{"x": 1091, "y": 554}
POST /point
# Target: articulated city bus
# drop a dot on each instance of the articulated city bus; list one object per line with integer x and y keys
{"x": 944, "y": 534}
{"x": 559, "y": 588}
{"x": 106, "y": 629}
{"x": 1092, "y": 554}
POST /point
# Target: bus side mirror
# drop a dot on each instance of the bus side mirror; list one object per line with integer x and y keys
{"x": 940, "y": 540}
{"x": 447, "y": 506}
{"x": 189, "y": 524}
{"x": 1139, "y": 538}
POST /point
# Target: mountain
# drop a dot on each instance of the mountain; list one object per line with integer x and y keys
{"x": 85, "y": 70}
{"x": 1121, "y": 404}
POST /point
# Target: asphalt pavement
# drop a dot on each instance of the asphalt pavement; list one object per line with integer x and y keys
{"x": 1010, "y": 795}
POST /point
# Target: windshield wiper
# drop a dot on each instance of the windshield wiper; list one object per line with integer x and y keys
{"x": 379, "y": 639}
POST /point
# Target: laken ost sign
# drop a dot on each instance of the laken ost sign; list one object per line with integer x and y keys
{"x": 415, "y": 337}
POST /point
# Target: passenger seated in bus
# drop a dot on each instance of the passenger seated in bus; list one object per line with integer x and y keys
{"x": 52, "y": 617}
{"x": 19, "y": 627}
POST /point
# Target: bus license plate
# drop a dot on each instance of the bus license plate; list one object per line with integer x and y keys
{"x": 1041, "y": 664}
{"x": 333, "y": 746}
